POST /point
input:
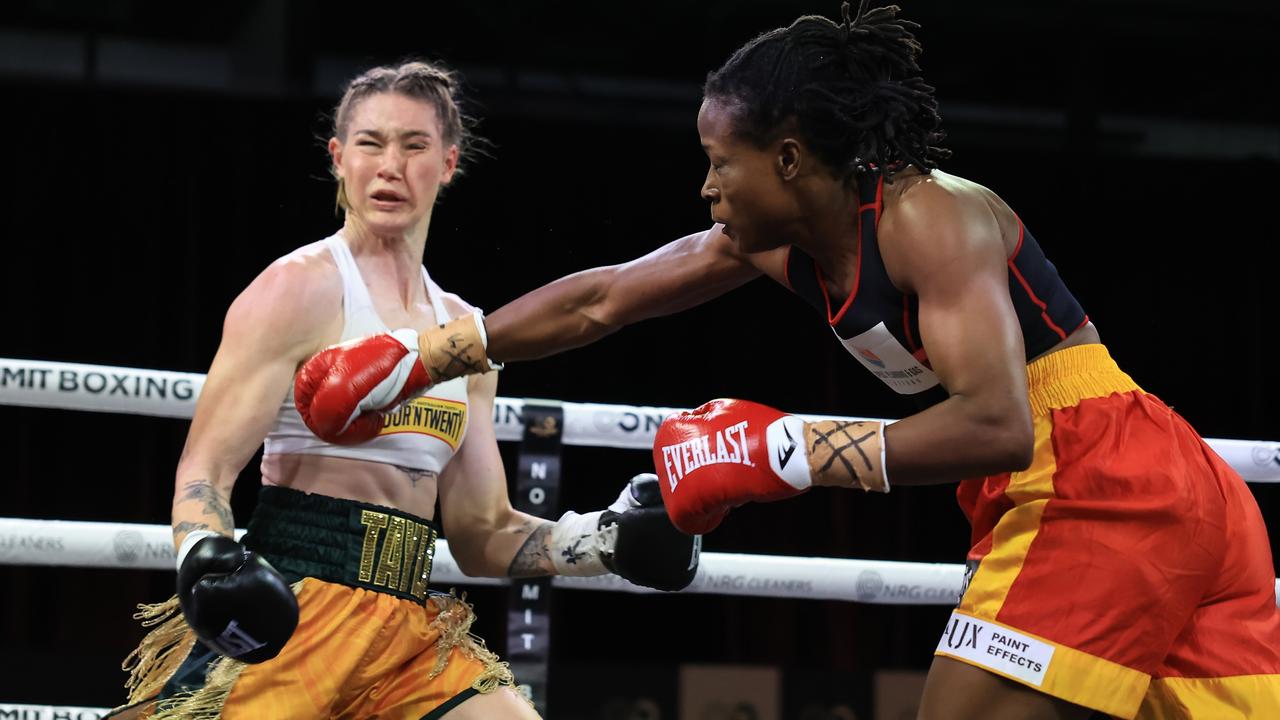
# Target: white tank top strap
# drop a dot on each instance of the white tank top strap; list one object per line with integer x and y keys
{"x": 437, "y": 301}
{"x": 357, "y": 304}
{"x": 423, "y": 433}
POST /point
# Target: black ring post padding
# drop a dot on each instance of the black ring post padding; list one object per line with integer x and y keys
{"x": 537, "y": 493}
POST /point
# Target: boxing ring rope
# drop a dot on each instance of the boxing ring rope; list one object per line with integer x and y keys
{"x": 101, "y": 388}
{"x": 104, "y": 388}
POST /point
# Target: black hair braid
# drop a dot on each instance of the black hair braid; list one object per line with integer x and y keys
{"x": 854, "y": 90}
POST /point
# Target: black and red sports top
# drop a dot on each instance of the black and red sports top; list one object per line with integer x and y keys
{"x": 879, "y": 324}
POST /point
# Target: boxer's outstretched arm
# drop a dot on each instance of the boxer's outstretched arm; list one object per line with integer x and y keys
{"x": 581, "y": 308}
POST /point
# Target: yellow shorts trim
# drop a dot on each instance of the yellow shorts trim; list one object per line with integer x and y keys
{"x": 1242, "y": 697}
{"x": 1053, "y": 669}
{"x": 1066, "y": 377}
{"x": 1030, "y": 490}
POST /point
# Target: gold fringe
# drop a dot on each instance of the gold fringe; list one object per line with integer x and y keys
{"x": 160, "y": 653}
{"x": 204, "y": 703}
{"x": 453, "y": 621}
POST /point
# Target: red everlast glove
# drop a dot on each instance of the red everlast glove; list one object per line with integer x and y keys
{"x": 724, "y": 454}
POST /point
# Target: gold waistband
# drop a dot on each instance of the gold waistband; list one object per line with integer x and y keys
{"x": 1066, "y": 377}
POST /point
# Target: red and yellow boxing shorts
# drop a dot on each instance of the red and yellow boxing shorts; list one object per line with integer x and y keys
{"x": 1128, "y": 569}
{"x": 371, "y": 640}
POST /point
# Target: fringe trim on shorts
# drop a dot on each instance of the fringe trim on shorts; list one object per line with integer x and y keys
{"x": 160, "y": 654}
{"x": 204, "y": 703}
{"x": 453, "y": 621}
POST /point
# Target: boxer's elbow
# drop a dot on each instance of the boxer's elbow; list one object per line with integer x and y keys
{"x": 1016, "y": 446}
{"x": 999, "y": 436}
{"x": 1009, "y": 438}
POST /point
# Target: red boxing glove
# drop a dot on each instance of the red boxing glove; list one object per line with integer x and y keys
{"x": 724, "y": 454}
{"x": 341, "y": 392}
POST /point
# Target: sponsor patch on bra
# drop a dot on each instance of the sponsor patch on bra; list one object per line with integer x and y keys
{"x": 438, "y": 418}
{"x": 881, "y": 353}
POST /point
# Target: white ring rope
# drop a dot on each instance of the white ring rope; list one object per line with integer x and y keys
{"x": 50, "y": 712}
{"x": 150, "y": 547}
{"x": 104, "y": 388}
{"x": 100, "y": 388}
{"x": 74, "y": 543}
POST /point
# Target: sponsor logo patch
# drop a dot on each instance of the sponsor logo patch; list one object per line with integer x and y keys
{"x": 441, "y": 419}
{"x": 995, "y": 647}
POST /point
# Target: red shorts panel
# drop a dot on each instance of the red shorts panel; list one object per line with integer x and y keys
{"x": 1131, "y": 550}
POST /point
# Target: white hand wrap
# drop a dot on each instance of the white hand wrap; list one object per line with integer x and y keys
{"x": 190, "y": 541}
{"x": 578, "y": 541}
{"x": 478, "y": 317}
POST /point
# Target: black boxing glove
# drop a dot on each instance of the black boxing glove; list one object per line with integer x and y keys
{"x": 633, "y": 538}
{"x": 650, "y": 551}
{"x": 233, "y": 599}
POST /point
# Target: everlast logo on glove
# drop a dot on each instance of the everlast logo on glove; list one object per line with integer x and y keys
{"x": 685, "y": 457}
{"x": 726, "y": 453}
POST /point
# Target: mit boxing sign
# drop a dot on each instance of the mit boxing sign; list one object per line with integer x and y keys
{"x": 100, "y": 388}
{"x": 9, "y": 711}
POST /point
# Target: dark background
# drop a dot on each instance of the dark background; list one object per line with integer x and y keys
{"x": 158, "y": 156}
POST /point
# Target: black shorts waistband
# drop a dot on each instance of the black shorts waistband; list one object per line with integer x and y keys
{"x": 343, "y": 541}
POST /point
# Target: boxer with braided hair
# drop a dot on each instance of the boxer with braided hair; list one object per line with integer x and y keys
{"x": 1116, "y": 564}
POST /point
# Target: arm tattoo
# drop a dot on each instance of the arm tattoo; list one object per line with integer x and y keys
{"x": 533, "y": 559}
{"x": 185, "y": 528}
{"x": 415, "y": 475}
{"x": 204, "y": 492}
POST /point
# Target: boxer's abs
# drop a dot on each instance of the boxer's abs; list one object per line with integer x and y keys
{"x": 408, "y": 489}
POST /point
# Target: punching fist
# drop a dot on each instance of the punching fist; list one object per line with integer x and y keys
{"x": 730, "y": 452}
{"x": 719, "y": 456}
{"x": 342, "y": 392}
{"x": 649, "y": 550}
{"x": 235, "y": 601}
{"x": 634, "y": 539}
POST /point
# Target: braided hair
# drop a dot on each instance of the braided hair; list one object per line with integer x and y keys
{"x": 854, "y": 89}
{"x": 428, "y": 82}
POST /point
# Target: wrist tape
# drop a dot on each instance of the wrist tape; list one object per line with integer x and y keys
{"x": 579, "y": 544}
{"x": 190, "y": 541}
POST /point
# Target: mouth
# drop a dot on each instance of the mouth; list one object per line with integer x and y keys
{"x": 387, "y": 198}
{"x": 724, "y": 227}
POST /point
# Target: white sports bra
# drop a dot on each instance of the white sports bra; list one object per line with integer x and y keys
{"x": 422, "y": 434}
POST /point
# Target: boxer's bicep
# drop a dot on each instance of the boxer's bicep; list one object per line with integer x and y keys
{"x": 274, "y": 325}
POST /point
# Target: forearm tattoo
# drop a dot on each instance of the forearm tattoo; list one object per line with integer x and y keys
{"x": 186, "y": 528}
{"x": 533, "y": 559}
{"x": 212, "y": 502}
{"x": 415, "y": 475}
{"x": 841, "y": 441}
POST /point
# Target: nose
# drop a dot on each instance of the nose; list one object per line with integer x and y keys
{"x": 392, "y": 165}
{"x": 709, "y": 191}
